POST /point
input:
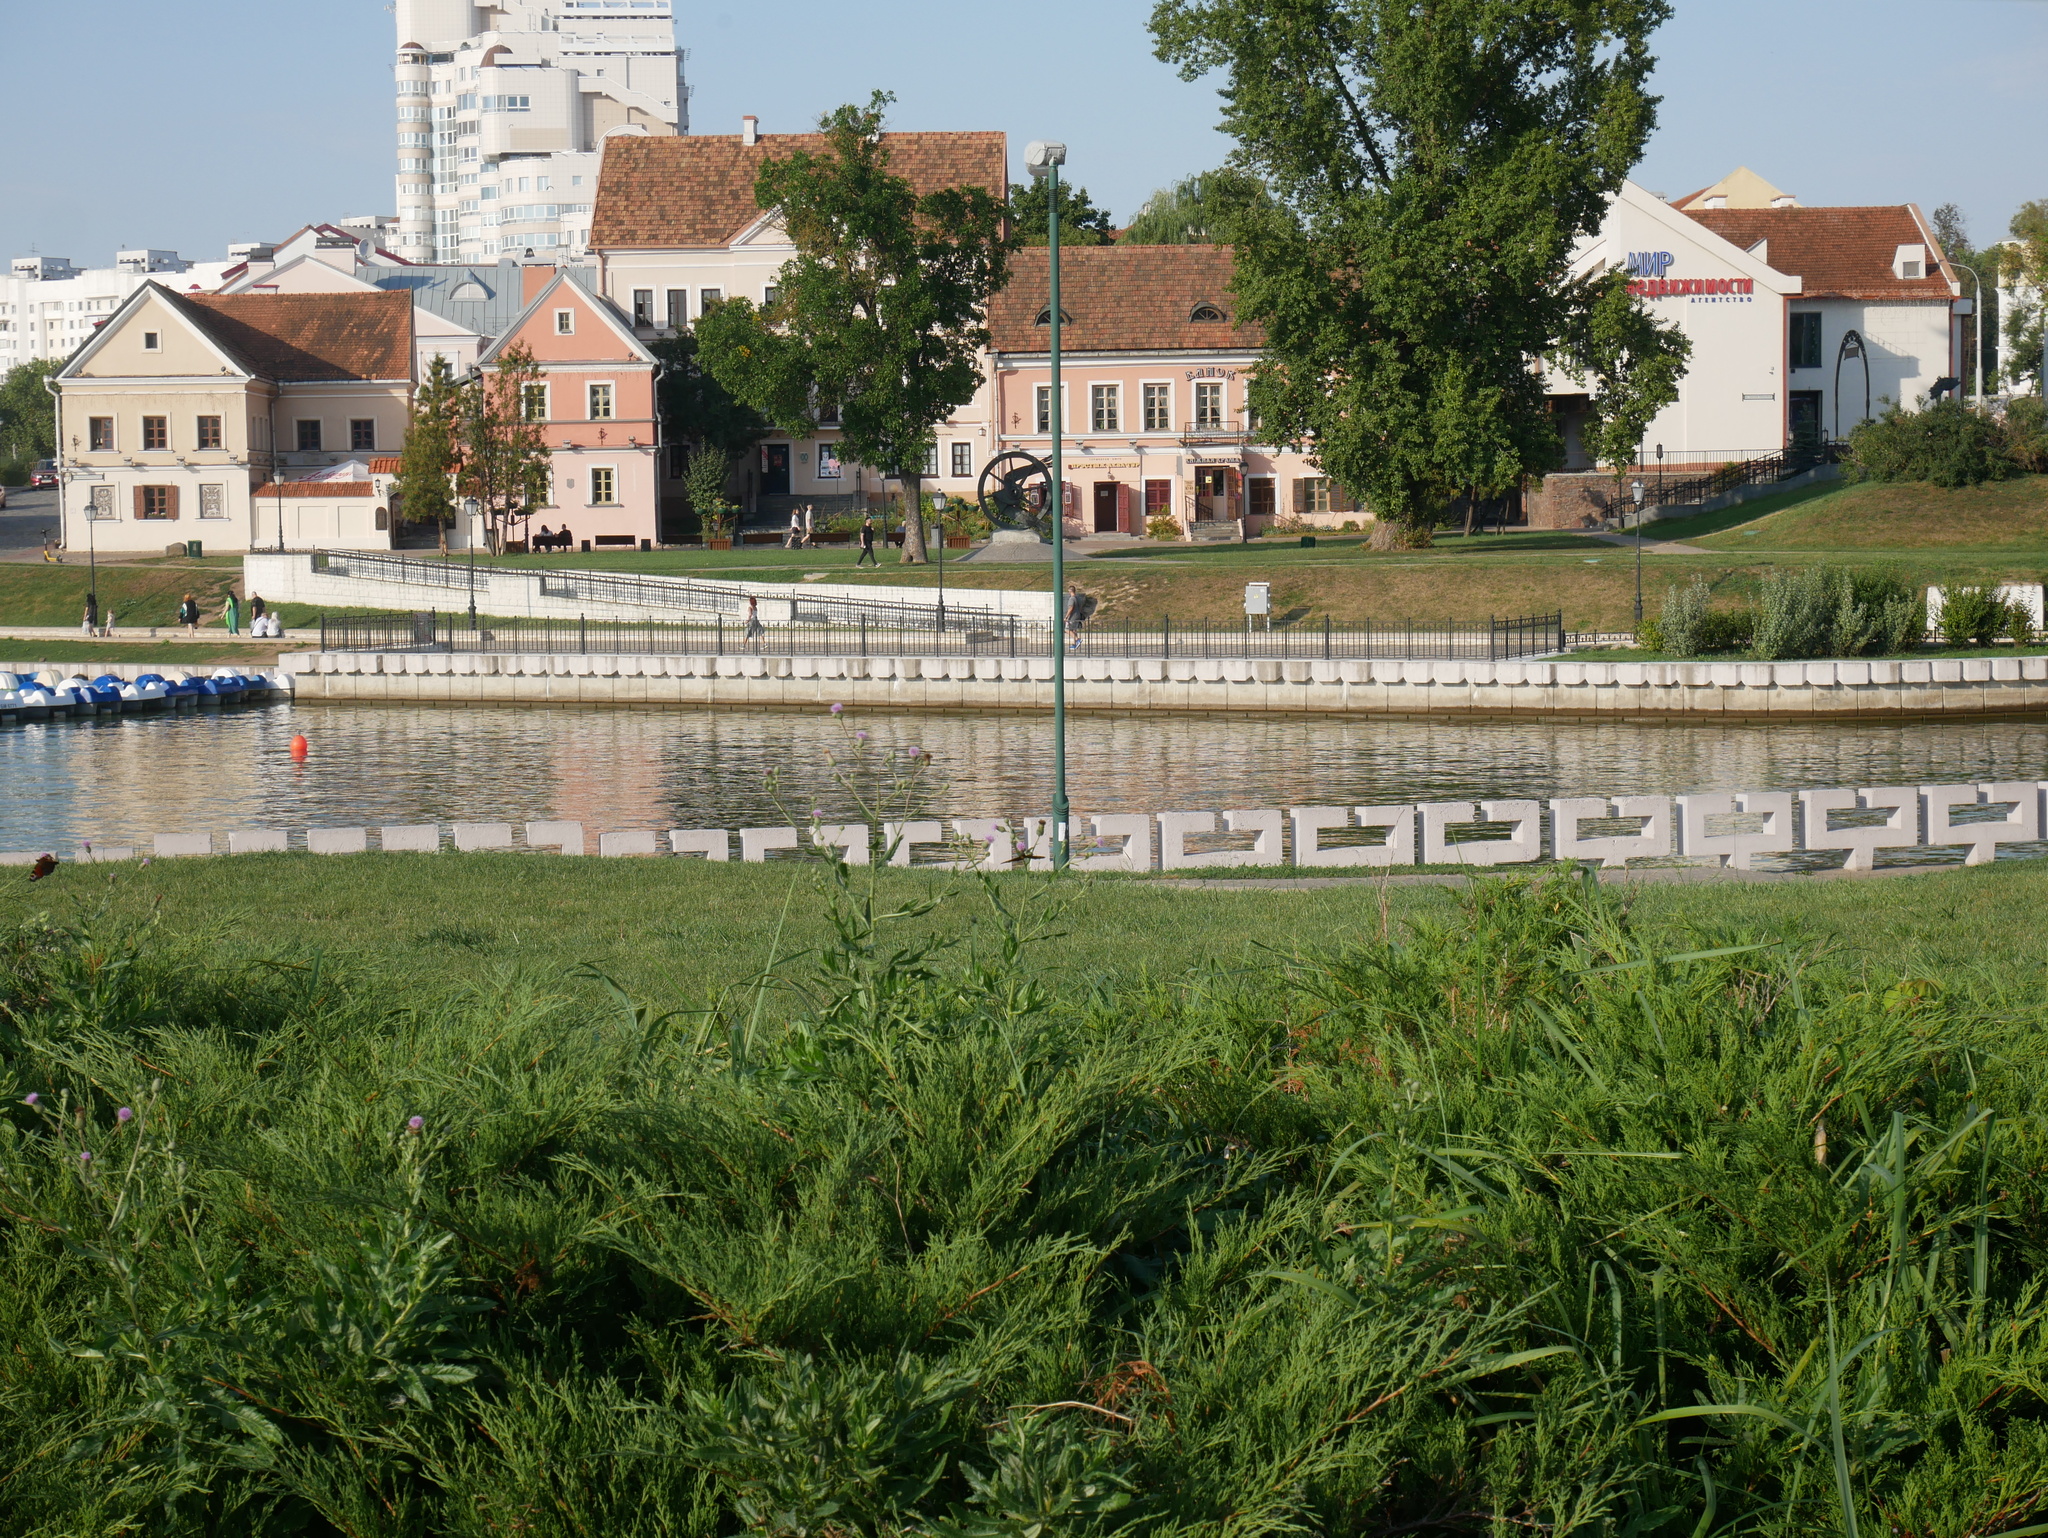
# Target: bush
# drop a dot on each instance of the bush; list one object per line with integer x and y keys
{"x": 1691, "y": 627}
{"x": 1821, "y": 611}
{"x": 1161, "y": 526}
{"x": 15, "y": 472}
{"x": 1948, "y": 444}
{"x": 2026, "y": 433}
{"x": 1977, "y": 616}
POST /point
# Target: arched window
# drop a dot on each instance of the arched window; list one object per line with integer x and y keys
{"x": 1205, "y": 312}
{"x": 383, "y": 520}
{"x": 1045, "y": 317}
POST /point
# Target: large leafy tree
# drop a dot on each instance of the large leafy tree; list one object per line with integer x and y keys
{"x": 28, "y": 417}
{"x": 425, "y": 489}
{"x": 1081, "y": 222}
{"x": 882, "y": 311}
{"x": 697, "y": 410}
{"x": 2028, "y": 261}
{"x": 1196, "y": 210}
{"x": 1433, "y": 165}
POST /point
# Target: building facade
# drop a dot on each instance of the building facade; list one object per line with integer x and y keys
{"x": 49, "y": 308}
{"x": 185, "y": 414}
{"x": 503, "y": 112}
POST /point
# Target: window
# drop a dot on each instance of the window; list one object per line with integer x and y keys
{"x": 603, "y": 486}
{"x": 209, "y": 433}
{"x": 707, "y": 299}
{"x": 828, "y": 462}
{"x": 505, "y": 104}
{"x": 643, "y": 306}
{"x": 770, "y": 297}
{"x": 1312, "y": 494}
{"x": 678, "y": 460}
{"x": 309, "y": 437}
{"x": 213, "y": 501}
{"x": 931, "y": 460}
{"x": 99, "y": 502}
{"x": 100, "y": 434}
{"x": 600, "y": 403}
{"x": 533, "y": 402}
{"x": 1159, "y": 499}
{"x": 565, "y": 323}
{"x": 1806, "y": 339}
{"x": 1043, "y": 413}
{"x": 156, "y": 432}
{"x": 678, "y": 308}
{"x": 152, "y": 342}
{"x": 1158, "y": 408}
{"x": 156, "y": 501}
{"x": 963, "y": 459}
{"x": 1205, "y": 314}
{"x": 362, "y": 433}
{"x": 1208, "y": 404}
{"x": 1045, "y": 317}
{"x": 1104, "y": 411}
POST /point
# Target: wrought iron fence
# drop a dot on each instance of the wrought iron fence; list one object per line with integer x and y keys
{"x": 1532, "y": 635}
{"x": 1766, "y": 470}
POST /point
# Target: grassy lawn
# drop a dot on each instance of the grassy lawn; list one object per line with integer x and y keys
{"x": 207, "y": 651}
{"x": 676, "y": 931}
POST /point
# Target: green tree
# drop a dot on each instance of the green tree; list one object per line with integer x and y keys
{"x": 1982, "y": 328}
{"x": 425, "y": 489}
{"x": 1433, "y": 164}
{"x": 697, "y": 410}
{"x": 1196, "y": 210}
{"x": 1634, "y": 362}
{"x": 2027, "y": 261}
{"x": 504, "y": 461}
{"x": 883, "y": 309}
{"x": 28, "y": 416}
{"x": 704, "y": 483}
{"x": 1081, "y": 222}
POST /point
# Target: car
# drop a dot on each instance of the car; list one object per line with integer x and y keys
{"x": 44, "y": 474}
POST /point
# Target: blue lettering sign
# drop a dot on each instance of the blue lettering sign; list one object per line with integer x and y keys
{"x": 1649, "y": 264}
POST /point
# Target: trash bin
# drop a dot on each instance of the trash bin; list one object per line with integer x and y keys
{"x": 1308, "y": 541}
{"x": 586, "y": 547}
{"x": 193, "y": 549}
{"x": 646, "y": 544}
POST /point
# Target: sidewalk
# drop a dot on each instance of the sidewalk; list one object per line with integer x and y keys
{"x": 160, "y": 635}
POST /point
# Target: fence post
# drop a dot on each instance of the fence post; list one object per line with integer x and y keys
{"x": 583, "y": 634}
{"x": 1326, "y": 636}
{"x": 864, "y": 629}
{"x": 1165, "y": 636}
{"x": 721, "y": 634}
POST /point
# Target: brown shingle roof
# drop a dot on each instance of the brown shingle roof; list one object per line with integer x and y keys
{"x": 310, "y": 336}
{"x": 1843, "y": 253}
{"x": 1123, "y": 299}
{"x": 697, "y": 190}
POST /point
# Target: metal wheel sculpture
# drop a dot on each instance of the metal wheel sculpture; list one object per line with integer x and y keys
{"x": 1015, "y": 492}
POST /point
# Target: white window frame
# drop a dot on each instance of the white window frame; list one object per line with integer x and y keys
{"x": 1222, "y": 397}
{"x": 611, "y": 400}
{"x": 565, "y": 323}
{"x": 152, "y": 341}
{"x": 610, "y": 471}
{"x": 1113, "y": 393}
{"x": 830, "y": 466}
{"x": 1041, "y": 395}
{"x": 1156, "y": 384}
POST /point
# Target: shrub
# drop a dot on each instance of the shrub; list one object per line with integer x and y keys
{"x": 1948, "y": 444}
{"x": 1685, "y": 611}
{"x": 1162, "y": 526}
{"x": 1350, "y": 525}
{"x": 1977, "y": 616}
{"x": 14, "y": 472}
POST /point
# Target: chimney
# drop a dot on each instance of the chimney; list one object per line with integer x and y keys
{"x": 750, "y": 129}
{"x": 533, "y": 279}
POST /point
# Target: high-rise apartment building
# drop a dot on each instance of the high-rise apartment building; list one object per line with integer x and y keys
{"x": 503, "y": 109}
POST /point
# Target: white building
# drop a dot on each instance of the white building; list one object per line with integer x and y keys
{"x": 49, "y": 308}
{"x": 503, "y": 110}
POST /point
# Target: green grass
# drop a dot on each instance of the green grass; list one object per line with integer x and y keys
{"x": 206, "y": 651}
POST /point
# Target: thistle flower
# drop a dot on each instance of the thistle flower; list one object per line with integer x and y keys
{"x": 147, "y": 863}
{"x": 124, "y": 1115}
{"x": 837, "y": 708}
{"x": 414, "y": 1124}
{"x": 31, "y": 1098}
{"x": 85, "y": 1158}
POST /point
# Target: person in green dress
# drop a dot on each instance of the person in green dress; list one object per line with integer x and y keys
{"x": 231, "y": 612}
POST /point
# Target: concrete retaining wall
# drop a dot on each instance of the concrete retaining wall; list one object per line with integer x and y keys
{"x": 1598, "y": 690}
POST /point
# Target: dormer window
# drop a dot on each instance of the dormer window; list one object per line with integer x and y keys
{"x": 1909, "y": 262}
{"x": 1045, "y": 317}
{"x": 1205, "y": 313}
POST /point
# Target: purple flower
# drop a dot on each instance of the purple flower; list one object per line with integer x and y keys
{"x": 124, "y": 1115}
{"x": 860, "y": 736}
{"x": 837, "y": 708}
{"x": 415, "y": 1124}
{"x": 85, "y": 1158}
{"x": 145, "y": 864}
{"x": 30, "y": 1098}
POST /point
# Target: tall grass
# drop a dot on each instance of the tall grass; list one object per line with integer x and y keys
{"x": 1529, "y": 1220}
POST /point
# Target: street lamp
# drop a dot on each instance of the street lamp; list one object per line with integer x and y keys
{"x": 470, "y": 507}
{"x": 1637, "y": 488}
{"x": 1043, "y": 159}
{"x": 1979, "y": 317}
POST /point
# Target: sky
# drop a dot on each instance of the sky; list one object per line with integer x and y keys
{"x": 135, "y": 123}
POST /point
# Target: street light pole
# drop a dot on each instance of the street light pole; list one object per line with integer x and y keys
{"x": 469, "y": 511}
{"x": 1637, "y": 487}
{"x": 1044, "y": 159}
{"x": 1978, "y": 328}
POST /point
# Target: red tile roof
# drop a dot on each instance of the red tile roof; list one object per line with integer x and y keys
{"x": 1123, "y": 299}
{"x": 697, "y": 190}
{"x": 385, "y": 464}
{"x": 310, "y": 336}
{"x": 1841, "y": 253}
{"x": 316, "y": 489}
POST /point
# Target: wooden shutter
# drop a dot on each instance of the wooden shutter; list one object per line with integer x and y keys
{"x": 171, "y": 502}
{"x": 1124, "y": 521}
{"x": 138, "y": 501}
{"x": 1300, "y": 494}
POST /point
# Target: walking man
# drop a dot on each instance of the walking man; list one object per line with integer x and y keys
{"x": 188, "y": 614}
{"x": 867, "y": 544}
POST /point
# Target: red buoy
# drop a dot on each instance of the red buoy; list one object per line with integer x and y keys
{"x": 299, "y": 746}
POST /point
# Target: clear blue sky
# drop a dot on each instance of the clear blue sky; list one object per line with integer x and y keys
{"x": 189, "y": 126}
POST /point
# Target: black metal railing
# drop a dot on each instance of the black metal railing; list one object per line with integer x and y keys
{"x": 1497, "y": 640}
{"x": 1765, "y": 470}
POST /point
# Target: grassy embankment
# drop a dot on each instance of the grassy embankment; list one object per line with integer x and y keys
{"x": 1530, "y": 1213}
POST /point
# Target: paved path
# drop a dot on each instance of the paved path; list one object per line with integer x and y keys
{"x": 1653, "y": 546}
{"x": 28, "y": 518}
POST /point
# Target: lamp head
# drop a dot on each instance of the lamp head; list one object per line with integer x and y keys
{"x": 469, "y": 507}
{"x": 1041, "y": 155}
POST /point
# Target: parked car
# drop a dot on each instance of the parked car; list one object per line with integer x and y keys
{"x": 44, "y": 474}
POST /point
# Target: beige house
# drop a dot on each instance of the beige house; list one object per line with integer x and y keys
{"x": 180, "y": 419}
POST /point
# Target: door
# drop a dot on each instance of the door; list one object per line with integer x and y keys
{"x": 1805, "y": 417}
{"x": 1261, "y": 496}
{"x": 1212, "y": 493}
{"x": 775, "y": 469}
{"x": 1105, "y": 507}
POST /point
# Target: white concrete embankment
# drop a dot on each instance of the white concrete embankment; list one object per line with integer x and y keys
{"x": 1596, "y": 690}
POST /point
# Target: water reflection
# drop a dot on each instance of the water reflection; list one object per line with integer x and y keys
{"x": 121, "y": 780}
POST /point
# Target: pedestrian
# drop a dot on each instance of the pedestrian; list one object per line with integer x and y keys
{"x": 867, "y": 544}
{"x": 92, "y": 614}
{"x": 231, "y": 615}
{"x": 1080, "y": 609}
{"x": 810, "y": 528}
{"x": 755, "y": 629}
{"x": 257, "y": 609}
{"x": 107, "y": 624}
{"x": 188, "y": 614}
{"x": 795, "y": 536}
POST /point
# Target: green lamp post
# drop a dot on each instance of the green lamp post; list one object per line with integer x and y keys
{"x": 1043, "y": 158}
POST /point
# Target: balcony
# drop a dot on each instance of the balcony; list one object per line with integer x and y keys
{"x": 1215, "y": 432}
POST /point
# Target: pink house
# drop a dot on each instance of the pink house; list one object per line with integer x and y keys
{"x": 1153, "y": 422}
{"x": 596, "y": 404}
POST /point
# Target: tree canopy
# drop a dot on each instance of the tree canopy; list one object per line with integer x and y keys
{"x": 425, "y": 489}
{"x": 1433, "y": 164}
{"x": 28, "y": 417}
{"x": 881, "y": 313}
{"x": 1196, "y": 210}
{"x": 1081, "y": 222}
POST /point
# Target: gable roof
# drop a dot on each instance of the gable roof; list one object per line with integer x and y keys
{"x": 1123, "y": 299}
{"x": 307, "y": 337}
{"x": 480, "y": 297}
{"x": 596, "y": 304}
{"x": 697, "y": 190}
{"x": 140, "y": 298}
{"x": 1841, "y": 253}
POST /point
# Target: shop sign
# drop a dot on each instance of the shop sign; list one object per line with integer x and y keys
{"x": 1648, "y": 269}
{"x": 1212, "y": 373}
